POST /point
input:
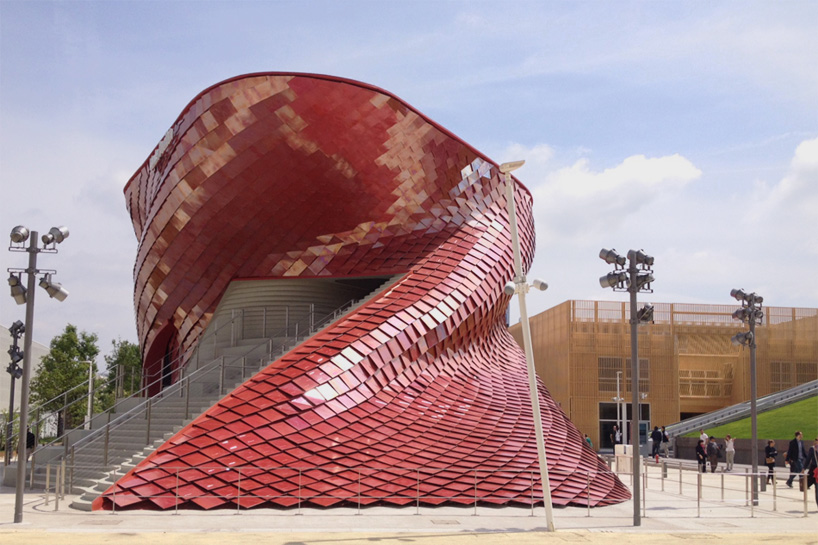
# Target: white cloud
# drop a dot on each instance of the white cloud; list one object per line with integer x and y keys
{"x": 579, "y": 201}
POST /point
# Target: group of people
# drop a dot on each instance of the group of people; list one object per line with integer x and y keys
{"x": 707, "y": 450}
{"x": 659, "y": 438}
{"x": 798, "y": 458}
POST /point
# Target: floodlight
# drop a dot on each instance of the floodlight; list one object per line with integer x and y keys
{"x": 17, "y": 328}
{"x": 539, "y": 284}
{"x": 611, "y": 257}
{"x": 18, "y": 290}
{"x": 513, "y": 165}
{"x": 642, "y": 258}
{"x": 739, "y": 295}
{"x": 645, "y": 314}
{"x": 643, "y": 279}
{"x": 19, "y": 234}
{"x": 745, "y": 339}
{"x": 612, "y": 280}
{"x": 742, "y": 314}
{"x": 510, "y": 288}
{"x": 56, "y": 234}
{"x": 15, "y": 353}
{"x": 14, "y": 370}
{"x": 54, "y": 289}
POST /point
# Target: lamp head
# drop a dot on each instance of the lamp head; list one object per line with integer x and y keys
{"x": 505, "y": 168}
{"x": 14, "y": 370}
{"x": 18, "y": 290}
{"x": 645, "y": 314}
{"x": 642, "y": 258}
{"x": 612, "y": 280}
{"x": 19, "y": 234}
{"x": 643, "y": 280}
{"x": 510, "y": 288}
{"x": 54, "y": 289}
{"x": 539, "y": 284}
{"x": 744, "y": 339}
{"x": 611, "y": 257}
{"x": 55, "y": 235}
{"x": 17, "y": 328}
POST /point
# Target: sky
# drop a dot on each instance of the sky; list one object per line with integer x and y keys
{"x": 687, "y": 129}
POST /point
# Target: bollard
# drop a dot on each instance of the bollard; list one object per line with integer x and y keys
{"x": 775, "y": 494}
{"x": 680, "y": 478}
{"x": 803, "y": 480}
{"x": 588, "y": 489}
{"x": 417, "y": 493}
{"x": 57, "y": 489}
{"x": 698, "y": 494}
{"x": 532, "y": 494}
{"x": 176, "y": 507}
{"x": 644, "y": 489}
{"x": 722, "y": 487}
{"x": 47, "y": 481}
{"x": 359, "y": 491}
{"x": 475, "y": 494}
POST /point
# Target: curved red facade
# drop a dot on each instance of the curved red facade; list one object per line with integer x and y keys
{"x": 419, "y": 392}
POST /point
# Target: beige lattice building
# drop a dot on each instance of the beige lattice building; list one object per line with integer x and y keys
{"x": 688, "y": 365}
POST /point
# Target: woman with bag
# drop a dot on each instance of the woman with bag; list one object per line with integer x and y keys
{"x": 770, "y": 453}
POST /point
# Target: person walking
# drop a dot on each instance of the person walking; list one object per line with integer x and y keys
{"x": 656, "y": 439}
{"x": 588, "y": 440}
{"x": 665, "y": 443}
{"x": 796, "y": 456}
{"x": 770, "y": 452}
{"x": 812, "y": 468}
{"x": 713, "y": 454}
{"x": 701, "y": 457}
{"x": 616, "y": 436}
{"x": 703, "y": 437}
{"x": 730, "y": 452}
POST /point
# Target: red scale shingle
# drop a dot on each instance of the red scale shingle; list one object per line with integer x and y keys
{"x": 328, "y": 177}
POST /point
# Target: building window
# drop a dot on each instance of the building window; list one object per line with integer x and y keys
{"x": 609, "y": 366}
{"x": 787, "y": 374}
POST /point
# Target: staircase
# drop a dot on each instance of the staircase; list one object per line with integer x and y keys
{"x": 96, "y": 461}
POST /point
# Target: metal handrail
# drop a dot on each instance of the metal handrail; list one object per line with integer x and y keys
{"x": 742, "y": 410}
{"x": 184, "y": 384}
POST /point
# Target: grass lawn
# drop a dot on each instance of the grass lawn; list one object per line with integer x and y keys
{"x": 779, "y": 423}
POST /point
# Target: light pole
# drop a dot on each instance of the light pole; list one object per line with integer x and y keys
{"x": 750, "y": 313}
{"x": 620, "y": 412}
{"x": 19, "y": 235}
{"x": 521, "y": 287}
{"x": 638, "y": 278}
{"x": 17, "y": 329}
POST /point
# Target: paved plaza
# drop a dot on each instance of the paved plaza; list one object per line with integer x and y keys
{"x": 723, "y": 515}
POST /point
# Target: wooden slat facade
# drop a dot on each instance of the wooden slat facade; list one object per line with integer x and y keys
{"x": 687, "y": 362}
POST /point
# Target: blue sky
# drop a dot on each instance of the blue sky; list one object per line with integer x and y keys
{"x": 689, "y": 129}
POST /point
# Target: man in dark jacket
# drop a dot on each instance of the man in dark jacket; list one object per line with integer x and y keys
{"x": 796, "y": 456}
{"x": 713, "y": 454}
{"x": 656, "y": 437}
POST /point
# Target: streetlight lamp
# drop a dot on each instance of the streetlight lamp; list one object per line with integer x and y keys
{"x": 521, "y": 287}
{"x": 19, "y": 235}
{"x": 17, "y": 329}
{"x": 636, "y": 278}
{"x": 750, "y": 313}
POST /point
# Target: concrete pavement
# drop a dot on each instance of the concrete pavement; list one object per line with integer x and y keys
{"x": 669, "y": 517}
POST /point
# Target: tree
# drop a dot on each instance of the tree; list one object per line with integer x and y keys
{"x": 124, "y": 365}
{"x": 61, "y": 380}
